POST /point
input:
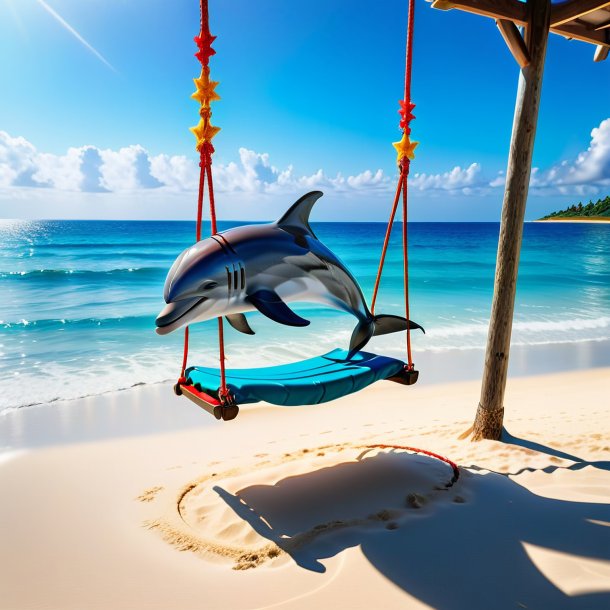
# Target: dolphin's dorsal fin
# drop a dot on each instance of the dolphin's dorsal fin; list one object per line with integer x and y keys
{"x": 296, "y": 219}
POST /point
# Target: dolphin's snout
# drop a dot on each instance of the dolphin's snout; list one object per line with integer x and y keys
{"x": 171, "y": 316}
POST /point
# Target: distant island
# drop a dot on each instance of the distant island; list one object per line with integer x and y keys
{"x": 599, "y": 211}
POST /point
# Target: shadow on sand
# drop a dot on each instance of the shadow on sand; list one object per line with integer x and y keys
{"x": 452, "y": 549}
{"x": 578, "y": 464}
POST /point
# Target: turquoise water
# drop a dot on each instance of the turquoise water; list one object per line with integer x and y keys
{"x": 79, "y": 299}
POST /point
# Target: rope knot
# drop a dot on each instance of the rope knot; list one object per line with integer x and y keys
{"x": 205, "y": 154}
{"x": 225, "y": 396}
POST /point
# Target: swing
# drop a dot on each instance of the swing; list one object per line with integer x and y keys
{"x": 315, "y": 380}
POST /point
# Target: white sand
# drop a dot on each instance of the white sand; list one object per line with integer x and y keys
{"x": 583, "y": 219}
{"x": 285, "y": 508}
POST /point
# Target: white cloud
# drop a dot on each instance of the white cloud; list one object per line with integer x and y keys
{"x": 21, "y": 165}
{"x": 77, "y": 170}
{"x": 593, "y": 165}
{"x": 499, "y": 180}
{"x": 90, "y": 169}
{"x": 586, "y": 175}
{"x": 17, "y": 161}
{"x": 127, "y": 170}
{"x": 460, "y": 180}
{"x": 177, "y": 172}
{"x": 254, "y": 173}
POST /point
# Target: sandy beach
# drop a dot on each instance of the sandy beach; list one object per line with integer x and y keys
{"x": 313, "y": 249}
{"x": 293, "y": 508}
{"x": 576, "y": 219}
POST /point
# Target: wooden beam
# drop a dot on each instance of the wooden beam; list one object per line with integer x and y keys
{"x": 568, "y": 11}
{"x": 566, "y": 16}
{"x": 601, "y": 53}
{"x": 496, "y": 9}
{"x": 490, "y": 413}
{"x": 514, "y": 40}
{"x": 442, "y": 5}
{"x": 580, "y": 32}
{"x": 602, "y": 26}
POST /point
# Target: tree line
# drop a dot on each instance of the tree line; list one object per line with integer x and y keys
{"x": 600, "y": 208}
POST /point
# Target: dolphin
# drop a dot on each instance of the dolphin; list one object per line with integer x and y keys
{"x": 261, "y": 268}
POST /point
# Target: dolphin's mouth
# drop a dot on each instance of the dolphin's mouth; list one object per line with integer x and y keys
{"x": 171, "y": 316}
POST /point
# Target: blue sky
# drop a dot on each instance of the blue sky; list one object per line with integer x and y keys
{"x": 309, "y": 100}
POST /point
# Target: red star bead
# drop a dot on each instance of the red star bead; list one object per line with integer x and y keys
{"x": 204, "y": 42}
{"x": 405, "y": 112}
{"x": 204, "y": 55}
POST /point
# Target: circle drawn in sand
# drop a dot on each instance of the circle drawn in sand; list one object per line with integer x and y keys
{"x": 306, "y": 505}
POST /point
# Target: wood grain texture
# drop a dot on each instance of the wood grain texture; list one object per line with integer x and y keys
{"x": 601, "y": 53}
{"x": 488, "y": 422}
{"x": 514, "y": 41}
{"x": 581, "y": 32}
{"x": 497, "y": 9}
{"x": 568, "y": 11}
{"x": 565, "y": 17}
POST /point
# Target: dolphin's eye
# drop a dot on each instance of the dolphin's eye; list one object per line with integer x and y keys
{"x": 209, "y": 285}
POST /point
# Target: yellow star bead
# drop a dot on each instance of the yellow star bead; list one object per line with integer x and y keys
{"x": 405, "y": 148}
{"x": 204, "y": 132}
{"x": 205, "y": 90}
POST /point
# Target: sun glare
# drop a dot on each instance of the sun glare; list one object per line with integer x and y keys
{"x": 51, "y": 11}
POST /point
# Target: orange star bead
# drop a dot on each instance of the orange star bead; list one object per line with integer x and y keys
{"x": 405, "y": 148}
{"x": 205, "y": 90}
{"x": 204, "y": 132}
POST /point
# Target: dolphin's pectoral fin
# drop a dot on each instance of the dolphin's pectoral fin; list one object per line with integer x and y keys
{"x": 272, "y": 306}
{"x": 386, "y": 324}
{"x": 238, "y": 322}
{"x": 296, "y": 219}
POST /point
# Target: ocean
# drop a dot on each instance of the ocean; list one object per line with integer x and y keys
{"x": 79, "y": 299}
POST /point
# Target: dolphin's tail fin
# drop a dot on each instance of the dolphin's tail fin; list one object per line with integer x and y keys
{"x": 378, "y": 325}
{"x": 386, "y": 324}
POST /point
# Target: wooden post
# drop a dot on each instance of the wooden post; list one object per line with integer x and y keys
{"x": 490, "y": 413}
{"x": 601, "y": 53}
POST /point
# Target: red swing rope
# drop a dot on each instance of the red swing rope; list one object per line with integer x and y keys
{"x": 454, "y": 467}
{"x": 204, "y": 132}
{"x": 405, "y": 154}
